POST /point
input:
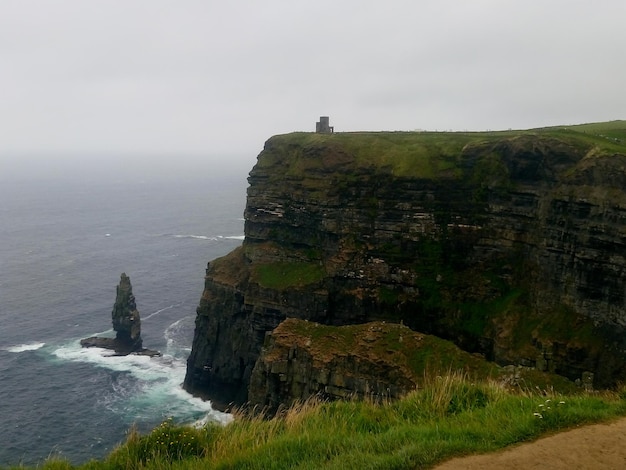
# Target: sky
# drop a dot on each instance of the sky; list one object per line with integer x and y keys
{"x": 205, "y": 79}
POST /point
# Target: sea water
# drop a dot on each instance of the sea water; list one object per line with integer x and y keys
{"x": 65, "y": 238}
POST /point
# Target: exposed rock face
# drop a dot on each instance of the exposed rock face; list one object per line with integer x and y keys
{"x": 374, "y": 360}
{"x": 511, "y": 246}
{"x": 126, "y": 323}
{"x": 294, "y": 367}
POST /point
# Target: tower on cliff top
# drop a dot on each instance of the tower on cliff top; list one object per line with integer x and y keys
{"x": 323, "y": 126}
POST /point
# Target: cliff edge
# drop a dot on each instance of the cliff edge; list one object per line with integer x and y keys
{"x": 510, "y": 244}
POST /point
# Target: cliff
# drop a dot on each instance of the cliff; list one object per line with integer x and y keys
{"x": 511, "y": 245}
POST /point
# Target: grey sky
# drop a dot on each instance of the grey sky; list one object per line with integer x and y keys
{"x": 211, "y": 78}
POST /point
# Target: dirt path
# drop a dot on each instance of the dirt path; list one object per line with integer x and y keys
{"x": 598, "y": 446}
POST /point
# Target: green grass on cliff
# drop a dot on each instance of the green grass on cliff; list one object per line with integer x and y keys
{"x": 450, "y": 416}
{"x": 425, "y": 155}
{"x": 607, "y": 136}
{"x": 420, "y": 154}
{"x": 281, "y": 275}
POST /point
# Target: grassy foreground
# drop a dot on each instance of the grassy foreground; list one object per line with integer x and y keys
{"x": 450, "y": 416}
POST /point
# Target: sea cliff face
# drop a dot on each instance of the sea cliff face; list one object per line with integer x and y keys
{"x": 511, "y": 245}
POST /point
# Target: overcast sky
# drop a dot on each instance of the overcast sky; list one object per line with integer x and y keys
{"x": 91, "y": 78}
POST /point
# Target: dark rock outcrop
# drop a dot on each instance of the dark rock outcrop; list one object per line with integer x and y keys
{"x": 377, "y": 361}
{"x": 126, "y": 324}
{"x": 512, "y": 246}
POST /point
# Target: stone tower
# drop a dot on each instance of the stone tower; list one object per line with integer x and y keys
{"x": 323, "y": 126}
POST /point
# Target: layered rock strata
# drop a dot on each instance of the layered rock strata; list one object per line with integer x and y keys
{"x": 376, "y": 361}
{"x": 510, "y": 245}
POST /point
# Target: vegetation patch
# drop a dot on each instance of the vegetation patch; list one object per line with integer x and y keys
{"x": 606, "y": 136}
{"x": 476, "y": 317}
{"x": 281, "y": 275}
{"x": 557, "y": 325}
{"x": 427, "y": 155}
{"x": 388, "y": 295}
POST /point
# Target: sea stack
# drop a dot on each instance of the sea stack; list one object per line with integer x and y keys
{"x": 126, "y": 323}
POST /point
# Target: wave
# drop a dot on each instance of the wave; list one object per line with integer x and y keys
{"x": 25, "y": 347}
{"x": 161, "y": 310}
{"x": 215, "y": 238}
{"x": 197, "y": 237}
{"x": 144, "y": 388}
{"x": 179, "y": 335}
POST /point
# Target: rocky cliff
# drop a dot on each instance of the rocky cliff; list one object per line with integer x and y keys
{"x": 511, "y": 245}
{"x": 375, "y": 360}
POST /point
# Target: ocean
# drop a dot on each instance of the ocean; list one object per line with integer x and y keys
{"x": 65, "y": 237}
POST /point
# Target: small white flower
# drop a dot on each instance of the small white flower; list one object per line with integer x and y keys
{"x": 538, "y": 415}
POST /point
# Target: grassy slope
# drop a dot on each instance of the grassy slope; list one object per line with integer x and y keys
{"x": 449, "y": 417}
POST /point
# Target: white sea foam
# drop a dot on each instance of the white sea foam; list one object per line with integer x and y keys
{"x": 197, "y": 237}
{"x": 173, "y": 332}
{"x": 148, "y": 386}
{"x": 25, "y": 347}
{"x": 215, "y": 238}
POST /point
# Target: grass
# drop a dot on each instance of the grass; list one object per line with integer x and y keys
{"x": 416, "y": 154}
{"x": 281, "y": 275}
{"x": 426, "y": 155}
{"x": 449, "y": 416}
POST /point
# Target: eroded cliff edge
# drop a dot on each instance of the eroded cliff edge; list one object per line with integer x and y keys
{"x": 512, "y": 245}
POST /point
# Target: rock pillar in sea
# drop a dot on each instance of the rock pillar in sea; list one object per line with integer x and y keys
{"x": 126, "y": 321}
{"x": 126, "y": 324}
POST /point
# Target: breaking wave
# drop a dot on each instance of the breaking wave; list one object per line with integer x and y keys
{"x": 214, "y": 238}
{"x": 196, "y": 237}
{"x": 144, "y": 387}
{"x": 25, "y": 347}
